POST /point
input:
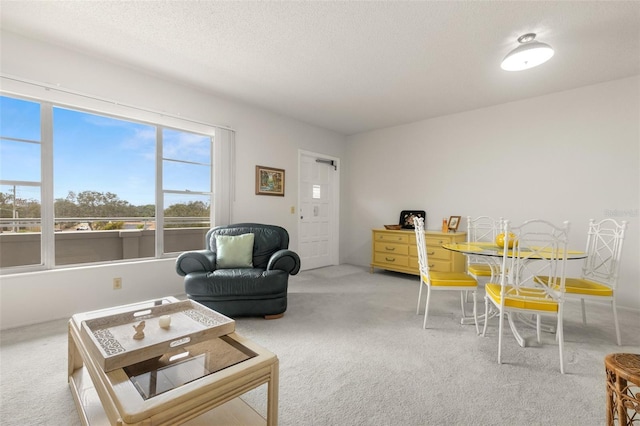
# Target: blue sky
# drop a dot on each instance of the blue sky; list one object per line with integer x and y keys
{"x": 99, "y": 153}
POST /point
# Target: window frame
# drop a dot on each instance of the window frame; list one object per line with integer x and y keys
{"x": 220, "y": 177}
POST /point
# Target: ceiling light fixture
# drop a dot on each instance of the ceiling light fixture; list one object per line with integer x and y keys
{"x": 529, "y": 54}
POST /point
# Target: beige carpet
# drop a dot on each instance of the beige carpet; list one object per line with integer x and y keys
{"x": 353, "y": 352}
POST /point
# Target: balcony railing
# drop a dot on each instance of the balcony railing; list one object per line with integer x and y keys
{"x": 78, "y": 245}
{"x": 66, "y": 223}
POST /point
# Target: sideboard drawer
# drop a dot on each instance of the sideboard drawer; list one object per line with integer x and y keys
{"x": 439, "y": 253}
{"x": 391, "y": 259}
{"x": 436, "y": 241}
{"x": 392, "y": 248}
{"x": 434, "y": 265}
{"x": 397, "y": 237}
{"x": 439, "y": 265}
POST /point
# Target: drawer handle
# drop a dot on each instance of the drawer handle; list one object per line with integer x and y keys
{"x": 432, "y": 265}
{"x": 389, "y": 248}
{"x": 392, "y": 259}
{"x": 180, "y": 342}
{"x": 441, "y": 242}
{"x": 431, "y": 253}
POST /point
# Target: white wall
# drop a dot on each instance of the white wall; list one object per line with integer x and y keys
{"x": 42, "y": 296}
{"x": 262, "y": 138}
{"x": 572, "y": 155}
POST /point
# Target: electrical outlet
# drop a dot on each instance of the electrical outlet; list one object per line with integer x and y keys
{"x": 117, "y": 283}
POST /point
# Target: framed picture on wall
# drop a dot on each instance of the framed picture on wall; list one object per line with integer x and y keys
{"x": 269, "y": 181}
{"x": 407, "y": 216}
{"x": 454, "y": 222}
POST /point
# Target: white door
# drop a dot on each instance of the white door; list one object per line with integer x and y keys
{"x": 318, "y": 212}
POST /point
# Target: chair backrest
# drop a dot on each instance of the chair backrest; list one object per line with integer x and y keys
{"x": 268, "y": 239}
{"x": 540, "y": 249}
{"x": 604, "y": 249}
{"x": 482, "y": 228}
{"x": 423, "y": 261}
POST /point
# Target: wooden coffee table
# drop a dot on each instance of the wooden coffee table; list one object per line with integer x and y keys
{"x": 204, "y": 387}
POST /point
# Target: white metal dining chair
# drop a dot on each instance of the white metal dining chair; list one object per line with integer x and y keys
{"x": 599, "y": 277}
{"x": 540, "y": 248}
{"x": 481, "y": 229}
{"x": 441, "y": 281}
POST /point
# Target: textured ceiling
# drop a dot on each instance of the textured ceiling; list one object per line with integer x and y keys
{"x": 348, "y": 66}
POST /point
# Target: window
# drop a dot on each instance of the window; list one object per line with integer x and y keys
{"x": 20, "y": 182}
{"x": 120, "y": 189}
{"x": 103, "y": 180}
{"x": 186, "y": 185}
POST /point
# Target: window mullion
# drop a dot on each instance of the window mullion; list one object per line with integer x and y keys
{"x": 159, "y": 195}
{"x": 47, "y": 213}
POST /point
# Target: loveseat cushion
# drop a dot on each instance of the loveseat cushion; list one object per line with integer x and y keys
{"x": 248, "y": 283}
{"x": 267, "y": 240}
{"x": 234, "y": 251}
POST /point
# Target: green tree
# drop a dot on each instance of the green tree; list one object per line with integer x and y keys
{"x": 98, "y": 204}
{"x": 66, "y": 207}
{"x": 24, "y": 207}
{"x": 191, "y": 209}
{"x": 6, "y": 204}
{"x": 148, "y": 210}
{"x": 30, "y": 208}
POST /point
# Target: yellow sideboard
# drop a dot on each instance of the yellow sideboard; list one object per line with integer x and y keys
{"x": 397, "y": 251}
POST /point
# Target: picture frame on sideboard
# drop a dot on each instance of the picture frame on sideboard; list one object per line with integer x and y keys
{"x": 454, "y": 222}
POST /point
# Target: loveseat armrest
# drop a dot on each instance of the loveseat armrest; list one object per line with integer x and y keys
{"x": 284, "y": 260}
{"x": 195, "y": 261}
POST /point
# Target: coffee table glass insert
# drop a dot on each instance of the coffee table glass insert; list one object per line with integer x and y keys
{"x": 180, "y": 366}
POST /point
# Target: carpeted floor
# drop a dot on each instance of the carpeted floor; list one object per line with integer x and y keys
{"x": 353, "y": 352}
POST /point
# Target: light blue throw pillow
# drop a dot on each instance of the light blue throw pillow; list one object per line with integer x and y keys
{"x": 234, "y": 251}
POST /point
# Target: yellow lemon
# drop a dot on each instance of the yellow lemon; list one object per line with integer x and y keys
{"x": 500, "y": 240}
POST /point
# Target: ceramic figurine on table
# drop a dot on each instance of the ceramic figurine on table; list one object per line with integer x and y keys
{"x": 139, "y": 330}
{"x": 165, "y": 321}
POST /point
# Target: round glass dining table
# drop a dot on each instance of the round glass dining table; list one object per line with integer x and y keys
{"x": 492, "y": 255}
{"x": 492, "y": 250}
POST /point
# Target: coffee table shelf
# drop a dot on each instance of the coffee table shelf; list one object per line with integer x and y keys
{"x": 233, "y": 413}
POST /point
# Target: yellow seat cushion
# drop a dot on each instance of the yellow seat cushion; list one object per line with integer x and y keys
{"x": 526, "y": 298}
{"x": 479, "y": 269}
{"x": 452, "y": 279}
{"x": 582, "y": 286}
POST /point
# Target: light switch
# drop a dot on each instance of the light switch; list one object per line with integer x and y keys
{"x": 293, "y": 209}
